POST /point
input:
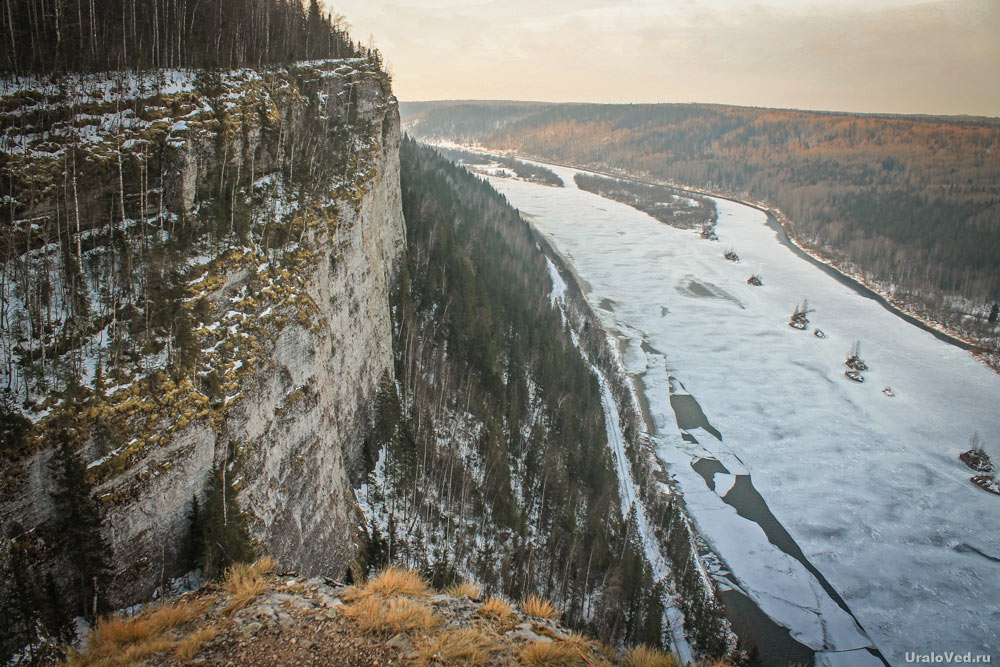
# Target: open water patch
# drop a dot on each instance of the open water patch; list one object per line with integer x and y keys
{"x": 749, "y": 504}
{"x": 708, "y": 468}
{"x": 687, "y": 411}
{"x": 772, "y": 643}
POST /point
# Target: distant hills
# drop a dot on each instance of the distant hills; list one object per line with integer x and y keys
{"x": 909, "y": 204}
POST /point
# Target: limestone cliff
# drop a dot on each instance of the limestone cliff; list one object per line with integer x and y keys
{"x": 201, "y": 282}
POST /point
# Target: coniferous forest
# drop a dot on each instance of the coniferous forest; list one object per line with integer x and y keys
{"x": 54, "y": 36}
{"x": 494, "y": 462}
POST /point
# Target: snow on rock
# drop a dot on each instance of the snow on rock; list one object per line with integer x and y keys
{"x": 341, "y": 363}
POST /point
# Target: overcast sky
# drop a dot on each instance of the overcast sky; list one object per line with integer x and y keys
{"x": 897, "y": 56}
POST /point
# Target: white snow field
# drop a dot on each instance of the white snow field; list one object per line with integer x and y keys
{"x": 869, "y": 486}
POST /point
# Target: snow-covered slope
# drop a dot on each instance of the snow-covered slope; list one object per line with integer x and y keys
{"x": 868, "y": 485}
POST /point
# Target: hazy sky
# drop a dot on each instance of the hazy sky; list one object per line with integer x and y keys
{"x": 900, "y": 56}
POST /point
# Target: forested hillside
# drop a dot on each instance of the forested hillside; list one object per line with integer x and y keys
{"x": 505, "y": 166}
{"x": 84, "y": 35}
{"x": 909, "y": 204}
{"x": 489, "y": 454}
{"x": 669, "y": 205}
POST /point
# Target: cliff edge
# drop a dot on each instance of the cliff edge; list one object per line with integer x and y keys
{"x": 196, "y": 301}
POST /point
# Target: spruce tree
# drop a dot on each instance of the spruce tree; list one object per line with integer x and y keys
{"x": 55, "y": 620}
{"x": 19, "y": 619}
{"x": 224, "y": 536}
{"x": 194, "y": 544}
{"x": 652, "y": 627}
{"x": 78, "y": 522}
{"x": 13, "y": 425}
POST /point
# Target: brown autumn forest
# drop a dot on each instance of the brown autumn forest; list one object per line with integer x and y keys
{"x": 911, "y": 204}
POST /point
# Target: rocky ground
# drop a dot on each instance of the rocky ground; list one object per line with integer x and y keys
{"x": 296, "y": 622}
{"x": 257, "y": 618}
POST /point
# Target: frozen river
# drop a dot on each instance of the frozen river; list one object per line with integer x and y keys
{"x": 841, "y": 511}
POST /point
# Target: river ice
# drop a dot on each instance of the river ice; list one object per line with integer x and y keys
{"x": 868, "y": 485}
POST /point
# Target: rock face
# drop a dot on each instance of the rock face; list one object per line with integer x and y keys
{"x": 291, "y": 443}
{"x": 298, "y": 329}
{"x": 298, "y": 465}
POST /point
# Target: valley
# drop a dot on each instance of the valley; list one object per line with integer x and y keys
{"x": 906, "y": 205}
{"x": 867, "y": 485}
{"x": 295, "y": 372}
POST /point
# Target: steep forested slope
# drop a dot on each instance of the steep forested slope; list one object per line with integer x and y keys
{"x": 489, "y": 454}
{"x": 909, "y": 204}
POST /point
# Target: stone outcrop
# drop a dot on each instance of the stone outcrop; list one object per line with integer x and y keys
{"x": 299, "y": 333}
{"x": 289, "y": 619}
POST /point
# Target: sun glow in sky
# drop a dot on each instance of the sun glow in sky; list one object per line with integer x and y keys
{"x": 894, "y": 56}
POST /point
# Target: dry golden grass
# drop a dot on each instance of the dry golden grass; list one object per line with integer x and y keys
{"x": 496, "y": 608}
{"x": 550, "y": 654}
{"x": 169, "y": 616}
{"x": 115, "y": 632}
{"x": 245, "y": 582}
{"x": 188, "y": 647}
{"x": 644, "y": 656}
{"x": 456, "y": 647}
{"x": 393, "y": 581}
{"x": 581, "y": 642}
{"x": 377, "y": 616}
{"x": 590, "y": 650}
{"x": 136, "y": 653}
{"x": 538, "y": 607}
{"x": 464, "y": 588}
{"x": 117, "y": 641}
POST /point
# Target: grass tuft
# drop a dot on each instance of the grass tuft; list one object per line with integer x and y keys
{"x": 393, "y": 581}
{"x": 169, "y": 616}
{"x": 188, "y": 647}
{"x": 114, "y": 632}
{"x": 644, "y": 656}
{"x": 386, "y": 617}
{"x": 496, "y": 608}
{"x": 550, "y": 654}
{"x": 581, "y": 642}
{"x": 465, "y": 588}
{"x": 138, "y": 652}
{"x": 245, "y": 581}
{"x": 538, "y": 607}
{"x": 456, "y": 647}
{"x": 118, "y": 641}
